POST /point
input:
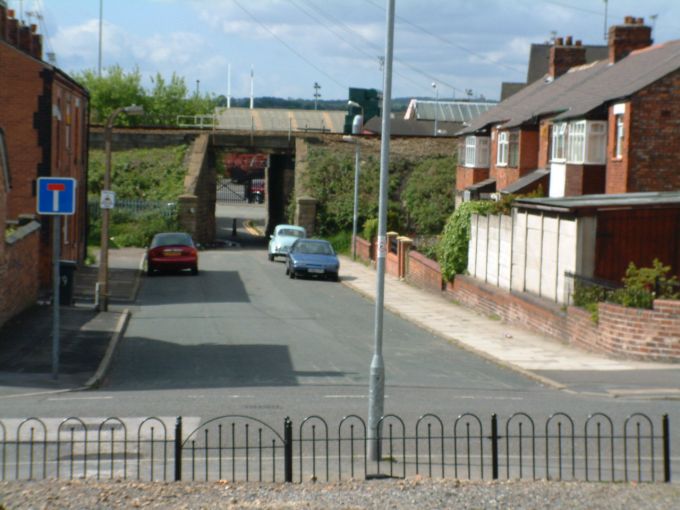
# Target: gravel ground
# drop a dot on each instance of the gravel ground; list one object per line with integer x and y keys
{"x": 412, "y": 493}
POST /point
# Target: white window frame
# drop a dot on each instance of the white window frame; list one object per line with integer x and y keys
{"x": 477, "y": 151}
{"x": 559, "y": 142}
{"x": 587, "y": 142}
{"x": 513, "y": 149}
{"x": 620, "y": 133}
{"x": 596, "y": 142}
{"x": 503, "y": 148}
{"x": 576, "y": 142}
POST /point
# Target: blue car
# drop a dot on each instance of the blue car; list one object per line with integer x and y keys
{"x": 312, "y": 257}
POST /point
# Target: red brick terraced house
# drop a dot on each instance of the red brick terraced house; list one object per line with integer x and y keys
{"x": 44, "y": 121}
{"x": 610, "y": 126}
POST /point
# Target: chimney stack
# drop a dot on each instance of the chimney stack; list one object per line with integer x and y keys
{"x": 15, "y": 33}
{"x": 3, "y": 23}
{"x": 564, "y": 55}
{"x": 632, "y": 35}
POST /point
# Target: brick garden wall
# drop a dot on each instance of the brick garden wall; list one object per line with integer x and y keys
{"x": 423, "y": 272}
{"x": 649, "y": 335}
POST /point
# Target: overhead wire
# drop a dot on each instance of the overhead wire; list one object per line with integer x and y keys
{"x": 449, "y": 42}
{"x": 288, "y": 46}
{"x": 344, "y": 39}
{"x": 399, "y": 61}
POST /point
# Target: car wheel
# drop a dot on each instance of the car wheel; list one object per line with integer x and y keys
{"x": 270, "y": 257}
{"x": 194, "y": 270}
{"x": 287, "y": 271}
{"x": 291, "y": 273}
{"x": 149, "y": 269}
{"x": 334, "y": 277}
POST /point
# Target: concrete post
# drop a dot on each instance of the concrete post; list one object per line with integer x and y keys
{"x": 403, "y": 246}
{"x": 305, "y": 213}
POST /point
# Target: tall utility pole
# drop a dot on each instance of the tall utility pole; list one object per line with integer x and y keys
{"x": 436, "y": 106}
{"x": 252, "y": 88}
{"x": 376, "y": 390}
{"x": 101, "y": 18}
{"x": 606, "y": 33}
{"x": 317, "y": 95}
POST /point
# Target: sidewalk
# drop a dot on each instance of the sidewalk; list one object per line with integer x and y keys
{"x": 87, "y": 338}
{"x": 539, "y": 357}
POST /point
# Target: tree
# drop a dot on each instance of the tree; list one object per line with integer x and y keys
{"x": 112, "y": 89}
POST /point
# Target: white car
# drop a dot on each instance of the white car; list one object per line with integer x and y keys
{"x": 282, "y": 239}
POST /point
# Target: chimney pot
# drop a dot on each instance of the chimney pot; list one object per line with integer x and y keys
{"x": 578, "y": 43}
{"x": 568, "y": 41}
{"x": 641, "y": 21}
{"x": 10, "y": 13}
{"x": 34, "y": 28}
{"x": 559, "y": 41}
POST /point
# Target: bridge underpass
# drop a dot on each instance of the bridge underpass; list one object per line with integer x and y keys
{"x": 279, "y": 172}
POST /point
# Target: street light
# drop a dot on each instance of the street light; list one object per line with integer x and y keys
{"x": 376, "y": 388}
{"x": 357, "y": 126}
{"x": 436, "y": 105}
{"x": 103, "y": 275}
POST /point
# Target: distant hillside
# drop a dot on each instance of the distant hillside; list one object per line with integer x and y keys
{"x": 398, "y": 104}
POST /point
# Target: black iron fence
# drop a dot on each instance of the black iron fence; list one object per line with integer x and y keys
{"x": 135, "y": 207}
{"x": 243, "y": 448}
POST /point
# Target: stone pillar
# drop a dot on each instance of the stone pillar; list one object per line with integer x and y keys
{"x": 305, "y": 214}
{"x": 403, "y": 246}
{"x": 186, "y": 213}
{"x": 391, "y": 236}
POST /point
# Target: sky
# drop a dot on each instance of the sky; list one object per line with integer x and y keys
{"x": 444, "y": 48}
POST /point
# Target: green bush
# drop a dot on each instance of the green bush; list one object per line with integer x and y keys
{"x": 429, "y": 195}
{"x": 452, "y": 250}
{"x": 127, "y": 229}
{"x": 341, "y": 241}
{"x": 370, "y": 230}
{"x": 640, "y": 286}
{"x": 140, "y": 174}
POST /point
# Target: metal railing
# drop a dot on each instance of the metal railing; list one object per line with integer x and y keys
{"x": 244, "y": 448}
{"x": 135, "y": 207}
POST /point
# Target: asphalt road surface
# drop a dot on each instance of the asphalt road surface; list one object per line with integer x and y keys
{"x": 242, "y": 338}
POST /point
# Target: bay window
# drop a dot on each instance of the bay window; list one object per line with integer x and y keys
{"x": 477, "y": 151}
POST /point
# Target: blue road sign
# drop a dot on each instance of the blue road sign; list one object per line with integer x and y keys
{"x": 56, "y": 195}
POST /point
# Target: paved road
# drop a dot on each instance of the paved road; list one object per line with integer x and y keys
{"x": 241, "y": 338}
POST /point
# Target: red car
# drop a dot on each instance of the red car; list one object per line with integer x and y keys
{"x": 172, "y": 251}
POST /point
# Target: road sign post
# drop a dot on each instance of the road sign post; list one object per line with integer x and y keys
{"x": 56, "y": 197}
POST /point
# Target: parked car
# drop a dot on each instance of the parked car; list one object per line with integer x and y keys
{"x": 172, "y": 251}
{"x": 312, "y": 257}
{"x": 282, "y": 239}
{"x": 256, "y": 193}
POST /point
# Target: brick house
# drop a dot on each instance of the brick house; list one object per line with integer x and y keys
{"x": 605, "y": 127}
{"x": 44, "y": 121}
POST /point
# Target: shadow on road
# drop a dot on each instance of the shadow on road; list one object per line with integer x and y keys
{"x": 203, "y": 366}
{"x": 181, "y": 287}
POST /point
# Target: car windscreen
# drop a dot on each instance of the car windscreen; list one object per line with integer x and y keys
{"x": 289, "y": 232}
{"x": 313, "y": 248}
{"x": 170, "y": 239}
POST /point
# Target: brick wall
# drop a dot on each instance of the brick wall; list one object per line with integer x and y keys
{"x": 654, "y": 143}
{"x": 364, "y": 249}
{"x": 544, "y": 145}
{"x": 197, "y": 204}
{"x": 617, "y": 168}
{"x": 466, "y": 176}
{"x": 584, "y": 180}
{"x": 21, "y": 272}
{"x": 21, "y": 87}
{"x": 650, "y": 335}
{"x": 423, "y": 272}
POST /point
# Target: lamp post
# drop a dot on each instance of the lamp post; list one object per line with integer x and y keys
{"x": 436, "y": 106}
{"x": 103, "y": 275}
{"x": 376, "y": 389}
{"x": 357, "y": 126}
